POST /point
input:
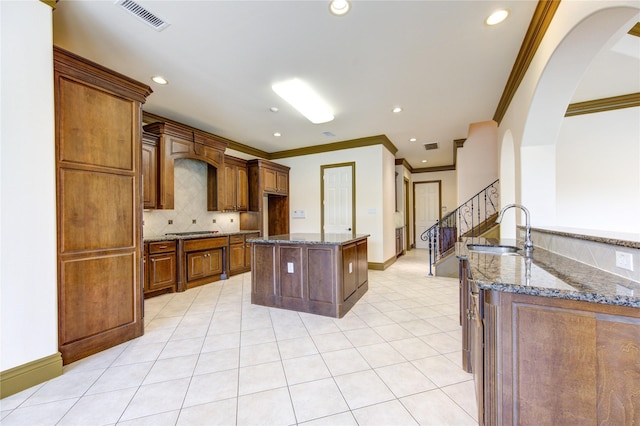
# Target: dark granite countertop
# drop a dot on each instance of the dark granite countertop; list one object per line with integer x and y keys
{"x": 311, "y": 238}
{"x": 547, "y": 274}
{"x": 193, "y": 235}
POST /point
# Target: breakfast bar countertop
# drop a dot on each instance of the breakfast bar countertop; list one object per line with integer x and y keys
{"x": 546, "y": 274}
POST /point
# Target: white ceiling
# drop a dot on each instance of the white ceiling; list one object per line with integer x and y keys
{"x": 436, "y": 59}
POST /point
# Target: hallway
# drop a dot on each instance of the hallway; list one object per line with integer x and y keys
{"x": 209, "y": 357}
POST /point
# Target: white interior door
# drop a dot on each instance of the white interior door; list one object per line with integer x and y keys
{"x": 338, "y": 199}
{"x": 427, "y": 208}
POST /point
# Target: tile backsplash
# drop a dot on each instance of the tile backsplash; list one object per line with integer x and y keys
{"x": 594, "y": 253}
{"x": 190, "y": 204}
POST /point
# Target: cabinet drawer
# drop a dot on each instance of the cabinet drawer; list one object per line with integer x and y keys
{"x": 236, "y": 239}
{"x": 162, "y": 247}
{"x": 205, "y": 243}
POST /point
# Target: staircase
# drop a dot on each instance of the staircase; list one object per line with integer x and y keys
{"x": 471, "y": 219}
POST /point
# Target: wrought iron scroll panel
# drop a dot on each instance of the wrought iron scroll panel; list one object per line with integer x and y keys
{"x": 470, "y": 219}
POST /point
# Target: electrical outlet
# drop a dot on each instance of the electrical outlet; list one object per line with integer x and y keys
{"x": 624, "y": 260}
{"x": 214, "y": 221}
{"x": 231, "y": 220}
{"x": 193, "y": 221}
{"x": 170, "y": 222}
{"x": 290, "y": 267}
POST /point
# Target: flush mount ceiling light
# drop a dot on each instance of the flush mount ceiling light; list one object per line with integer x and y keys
{"x": 396, "y": 109}
{"x": 303, "y": 98}
{"x": 339, "y": 7}
{"x": 424, "y": 161}
{"x": 277, "y": 134}
{"x": 497, "y": 17}
{"x": 160, "y": 80}
{"x": 274, "y": 109}
{"x": 413, "y": 140}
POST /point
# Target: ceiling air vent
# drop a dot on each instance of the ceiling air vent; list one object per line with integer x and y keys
{"x": 143, "y": 14}
{"x": 430, "y": 146}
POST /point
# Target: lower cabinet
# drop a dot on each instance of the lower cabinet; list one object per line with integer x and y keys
{"x": 203, "y": 260}
{"x": 240, "y": 253}
{"x": 542, "y": 360}
{"x": 159, "y": 268}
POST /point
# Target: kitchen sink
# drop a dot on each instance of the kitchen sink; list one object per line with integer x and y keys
{"x": 493, "y": 249}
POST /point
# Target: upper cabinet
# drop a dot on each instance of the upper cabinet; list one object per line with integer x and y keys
{"x": 267, "y": 178}
{"x": 180, "y": 141}
{"x": 150, "y": 170}
{"x": 235, "y": 195}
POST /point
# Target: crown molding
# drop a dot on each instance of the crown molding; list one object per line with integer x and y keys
{"x": 50, "y": 3}
{"x": 457, "y": 143}
{"x": 538, "y": 26}
{"x": 336, "y": 146}
{"x": 149, "y": 117}
{"x": 635, "y": 30}
{"x": 605, "y": 104}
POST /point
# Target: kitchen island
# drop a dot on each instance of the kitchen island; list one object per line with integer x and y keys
{"x": 324, "y": 274}
{"x": 549, "y": 340}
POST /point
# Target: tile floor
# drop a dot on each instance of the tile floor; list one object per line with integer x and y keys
{"x": 209, "y": 357}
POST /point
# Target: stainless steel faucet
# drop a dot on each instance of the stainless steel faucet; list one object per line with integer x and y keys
{"x": 528, "y": 244}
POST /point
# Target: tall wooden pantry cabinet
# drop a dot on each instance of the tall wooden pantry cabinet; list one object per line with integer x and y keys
{"x": 99, "y": 211}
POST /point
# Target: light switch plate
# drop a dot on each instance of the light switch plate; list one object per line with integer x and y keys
{"x": 290, "y": 267}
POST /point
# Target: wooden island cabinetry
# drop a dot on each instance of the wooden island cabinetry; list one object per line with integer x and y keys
{"x": 315, "y": 273}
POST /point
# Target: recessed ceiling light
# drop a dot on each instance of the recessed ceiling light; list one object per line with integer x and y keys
{"x": 339, "y": 7}
{"x": 305, "y": 100}
{"x": 424, "y": 161}
{"x": 277, "y": 134}
{"x": 497, "y": 17}
{"x": 160, "y": 80}
{"x": 413, "y": 140}
{"x": 396, "y": 109}
{"x": 274, "y": 109}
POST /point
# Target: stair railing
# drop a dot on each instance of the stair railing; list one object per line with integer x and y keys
{"x": 470, "y": 219}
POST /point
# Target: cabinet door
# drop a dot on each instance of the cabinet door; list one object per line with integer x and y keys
{"x": 270, "y": 180}
{"x": 349, "y": 271}
{"x": 149, "y": 175}
{"x": 230, "y": 188}
{"x": 477, "y": 351}
{"x": 363, "y": 263}
{"x": 242, "y": 196}
{"x": 162, "y": 271}
{"x": 236, "y": 257}
{"x": 282, "y": 183}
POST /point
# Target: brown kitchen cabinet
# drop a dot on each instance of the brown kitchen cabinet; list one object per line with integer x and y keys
{"x": 202, "y": 260}
{"x": 268, "y": 195}
{"x": 325, "y": 278}
{"x": 240, "y": 253}
{"x": 543, "y": 360}
{"x": 149, "y": 162}
{"x": 98, "y": 117}
{"x": 399, "y": 241}
{"x": 181, "y": 141}
{"x": 236, "y": 185}
{"x": 160, "y": 268}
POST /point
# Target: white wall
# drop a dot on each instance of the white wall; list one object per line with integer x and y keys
{"x": 477, "y": 162}
{"x": 535, "y": 115}
{"x": 598, "y": 171}
{"x": 29, "y": 315}
{"x": 374, "y": 208}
